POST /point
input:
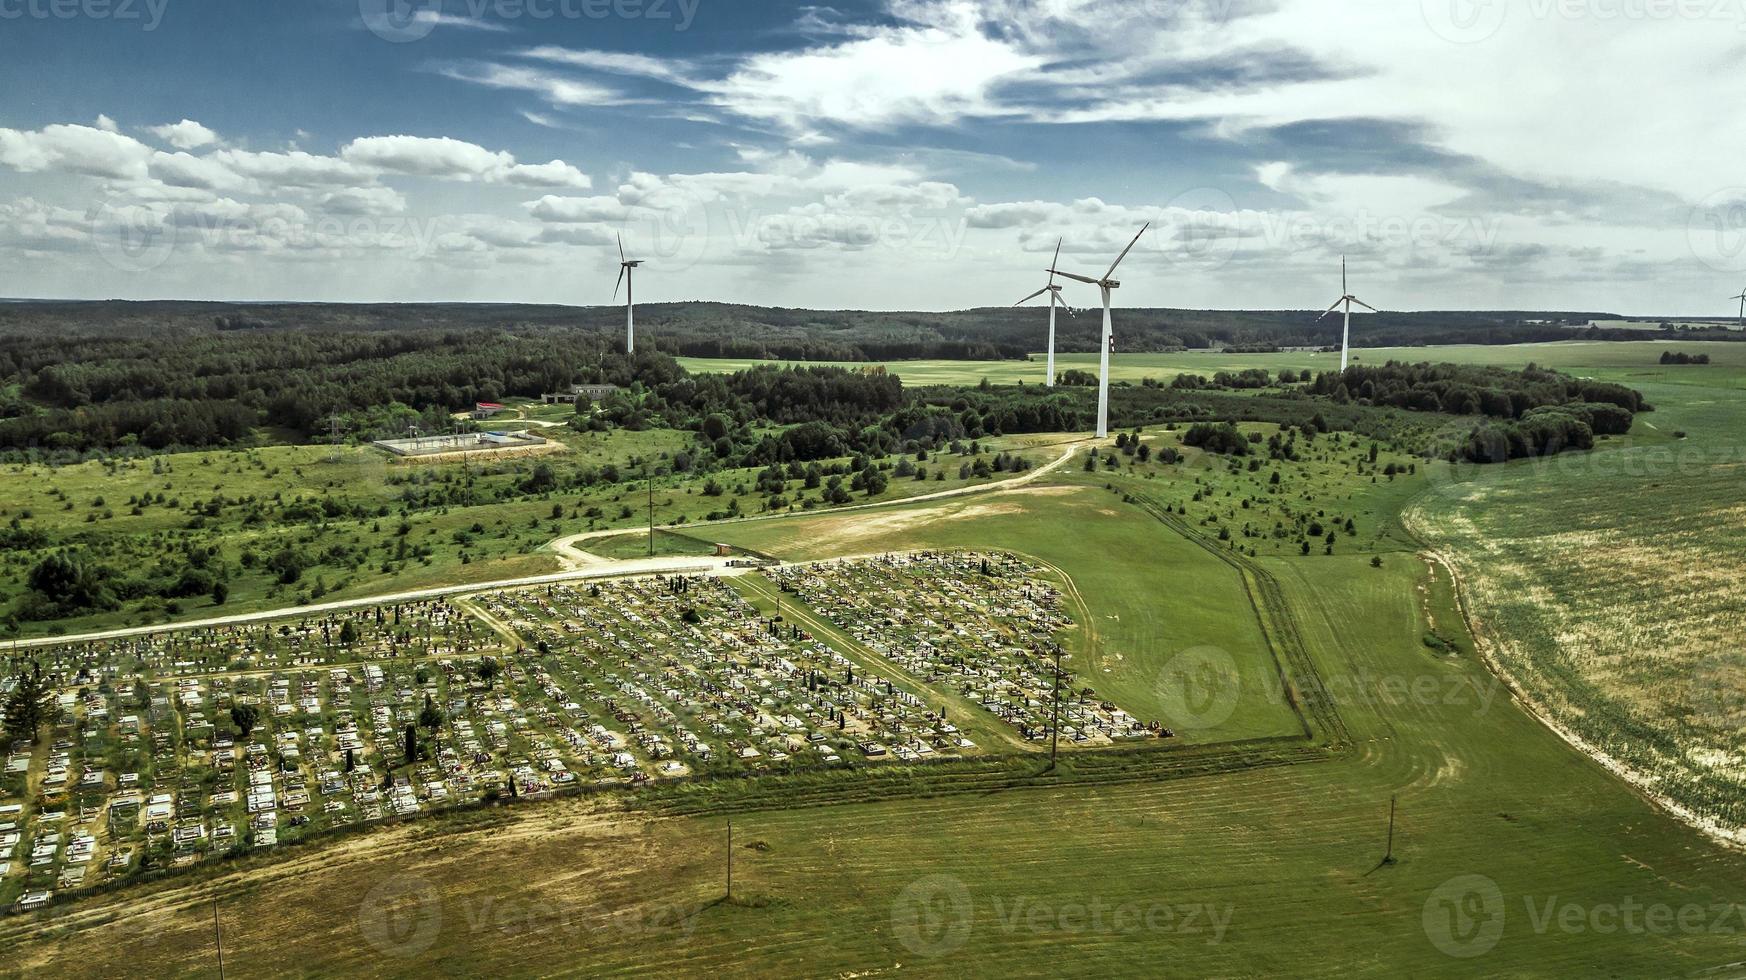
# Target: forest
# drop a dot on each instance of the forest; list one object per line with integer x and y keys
{"x": 1527, "y": 413}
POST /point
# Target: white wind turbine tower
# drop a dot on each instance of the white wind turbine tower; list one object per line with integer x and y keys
{"x": 1104, "y": 285}
{"x": 1054, "y": 292}
{"x": 1348, "y": 299}
{"x": 625, "y": 266}
{"x": 1742, "y": 299}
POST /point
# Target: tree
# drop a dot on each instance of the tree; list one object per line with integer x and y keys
{"x": 411, "y": 741}
{"x": 488, "y": 671}
{"x": 30, "y": 705}
{"x": 432, "y": 716}
{"x": 67, "y": 582}
{"x": 220, "y": 593}
{"x": 244, "y": 717}
{"x": 348, "y": 632}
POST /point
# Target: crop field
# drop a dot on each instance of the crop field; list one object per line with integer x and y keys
{"x": 1608, "y": 587}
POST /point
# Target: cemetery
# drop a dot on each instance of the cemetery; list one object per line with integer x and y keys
{"x": 170, "y": 749}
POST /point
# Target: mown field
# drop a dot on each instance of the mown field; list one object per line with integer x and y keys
{"x": 1513, "y": 853}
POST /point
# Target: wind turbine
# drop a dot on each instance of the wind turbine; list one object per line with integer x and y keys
{"x": 1104, "y": 285}
{"x": 1348, "y": 299}
{"x": 1054, "y": 292}
{"x": 1741, "y": 298}
{"x": 625, "y": 267}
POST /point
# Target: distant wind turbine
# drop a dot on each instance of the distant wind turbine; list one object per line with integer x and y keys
{"x": 625, "y": 267}
{"x": 1054, "y": 292}
{"x": 1347, "y": 298}
{"x": 1104, "y": 285}
{"x": 1741, "y": 298}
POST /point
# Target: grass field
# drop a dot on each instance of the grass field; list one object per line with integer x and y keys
{"x": 1635, "y": 359}
{"x": 363, "y": 524}
{"x": 1515, "y": 854}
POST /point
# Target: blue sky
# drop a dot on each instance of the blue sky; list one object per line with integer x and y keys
{"x": 919, "y": 154}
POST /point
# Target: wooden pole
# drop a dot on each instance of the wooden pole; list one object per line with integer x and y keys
{"x": 730, "y": 859}
{"x": 650, "y": 471}
{"x": 1388, "y": 858}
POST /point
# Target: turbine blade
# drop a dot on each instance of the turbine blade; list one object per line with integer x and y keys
{"x": 1032, "y": 296}
{"x": 1071, "y": 275}
{"x": 620, "y": 247}
{"x": 1331, "y": 308}
{"x": 1343, "y": 288}
{"x": 1125, "y": 251}
{"x": 619, "y": 283}
{"x": 1365, "y": 305}
{"x": 1054, "y": 261}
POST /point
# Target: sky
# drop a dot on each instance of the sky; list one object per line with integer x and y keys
{"x": 891, "y": 154}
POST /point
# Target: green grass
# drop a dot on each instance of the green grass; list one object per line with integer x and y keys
{"x": 1613, "y": 360}
{"x": 465, "y": 521}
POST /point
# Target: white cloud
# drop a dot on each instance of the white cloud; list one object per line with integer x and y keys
{"x": 617, "y": 62}
{"x": 184, "y": 135}
{"x": 554, "y": 88}
{"x": 364, "y": 201}
{"x": 74, "y": 149}
{"x": 452, "y": 159}
{"x": 440, "y": 19}
{"x": 576, "y": 209}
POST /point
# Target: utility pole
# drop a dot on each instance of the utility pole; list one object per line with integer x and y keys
{"x": 650, "y": 472}
{"x": 1388, "y": 858}
{"x": 1055, "y": 722}
{"x": 218, "y": 936}
{"x": 730, "y": 859}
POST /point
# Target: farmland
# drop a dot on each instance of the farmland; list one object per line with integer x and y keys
{"x": 1608, "y": 586}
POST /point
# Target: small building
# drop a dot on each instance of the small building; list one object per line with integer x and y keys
{"x": 485, "y": 410}
{"x": 723, "y": 550}
{"x": 593, "y": 393}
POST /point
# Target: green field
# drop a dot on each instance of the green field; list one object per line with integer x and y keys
{"x": 363, "y": 523}
{"x": 1601, "y": 359}
{"x": 1601, "y": 581}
